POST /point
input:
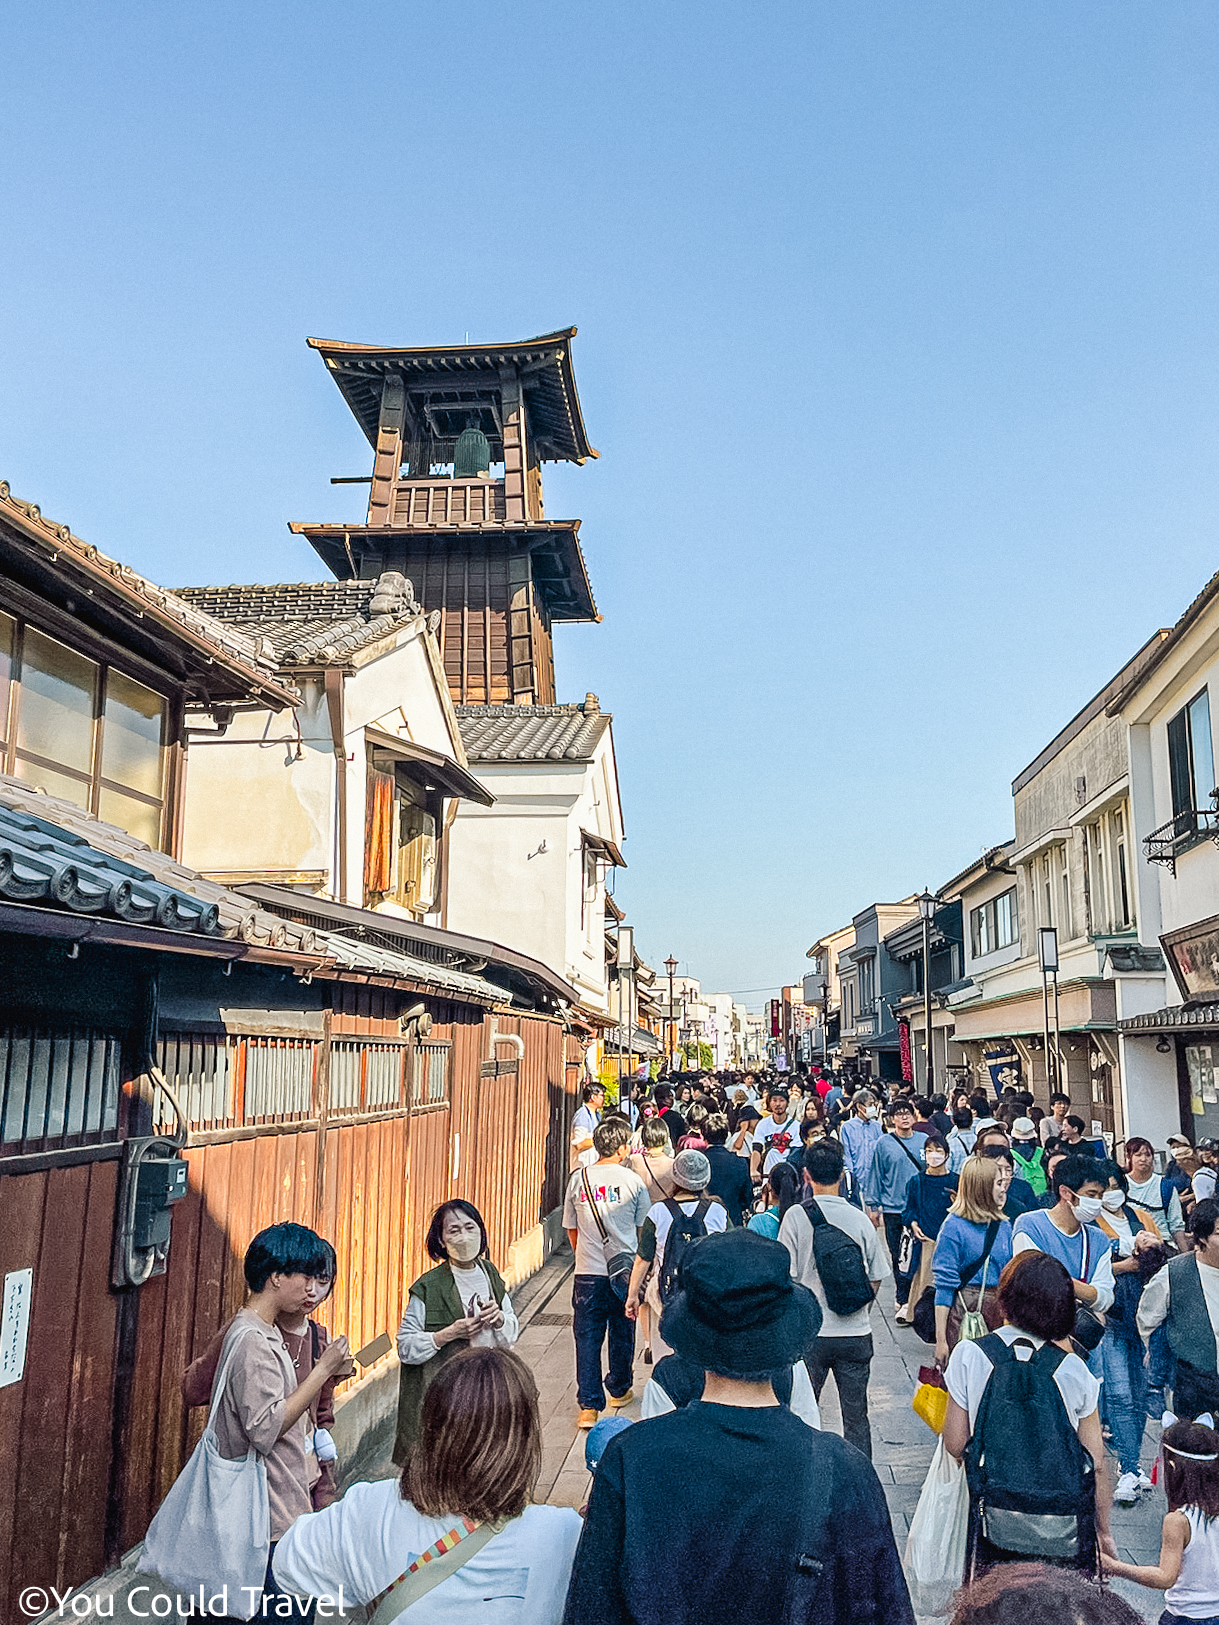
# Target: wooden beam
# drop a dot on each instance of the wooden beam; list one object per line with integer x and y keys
{"x": 388, "y": 458}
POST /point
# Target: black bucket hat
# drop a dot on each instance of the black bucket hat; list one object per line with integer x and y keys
{"x": 737, "y": 1310}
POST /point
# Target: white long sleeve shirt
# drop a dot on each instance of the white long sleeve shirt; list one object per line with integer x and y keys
{"x": 1157, "y": 1298}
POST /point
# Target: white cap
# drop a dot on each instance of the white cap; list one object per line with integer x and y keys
{"x": 1024, "y": 1128}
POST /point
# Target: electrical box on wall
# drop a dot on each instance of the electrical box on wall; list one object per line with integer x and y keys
{"x": 154, "y": 1177}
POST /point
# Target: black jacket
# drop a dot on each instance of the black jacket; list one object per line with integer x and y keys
{"x": 715, "y": 1515}
{"x": 730, "y": 1181}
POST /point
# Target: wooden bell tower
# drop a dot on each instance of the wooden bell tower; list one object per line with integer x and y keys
{"x": 473, "y": 540}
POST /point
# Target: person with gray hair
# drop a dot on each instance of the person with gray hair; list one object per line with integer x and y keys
{"x": 688, "y": 1215}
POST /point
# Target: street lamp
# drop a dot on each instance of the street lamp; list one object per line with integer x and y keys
{"x": 927, "y": 907}
{"x": 1047, "y": 952}
{"x": 825, "y": 1024}
{"x": 671, "y": 967}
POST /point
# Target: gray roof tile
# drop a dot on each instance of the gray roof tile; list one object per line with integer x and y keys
{"x": 305, "y": 623}
{"x": 531, "y": 733}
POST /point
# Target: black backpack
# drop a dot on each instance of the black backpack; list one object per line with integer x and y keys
{"x": 685, "y": 1229}
{"x": 1031, "y": 1482}
{"x": 840, "y": 1265}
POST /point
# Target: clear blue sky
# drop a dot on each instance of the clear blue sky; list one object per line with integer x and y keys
{"x": 898, "y": 338}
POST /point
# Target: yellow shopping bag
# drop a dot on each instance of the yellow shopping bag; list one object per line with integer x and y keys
{"x": 931, "y": 1403}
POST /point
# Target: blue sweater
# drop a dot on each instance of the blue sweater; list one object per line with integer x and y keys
{"x": 959, "y": 1243}
{"x": 892, "y": 1171}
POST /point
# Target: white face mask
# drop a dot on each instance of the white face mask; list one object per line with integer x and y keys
{"x": 1088, "y": 1208}
{"x": 1114, "y": 1200}
{"x": 936, "y": 1159}
{"x": 871, "y": 1111}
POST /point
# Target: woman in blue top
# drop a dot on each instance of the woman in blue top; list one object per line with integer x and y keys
{"x": 961, "y": 1244}
{"x": 784, "y": 1184}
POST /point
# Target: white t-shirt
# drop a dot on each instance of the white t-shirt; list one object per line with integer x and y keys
{"x": 1146, "y": 1195}
{"x": 715, "y": 1219}
{"x": 1204, "y": 1183}
{"x": 370, "y": 1537}
{"x": 623, "y": 1202}
{"x": 968, "y": 1372}
{"x": 796, "y": 1233}
{"x": 656, "y": 1402}
{"x": 582, "y": 1126}
{"x": 774, "y": 1141}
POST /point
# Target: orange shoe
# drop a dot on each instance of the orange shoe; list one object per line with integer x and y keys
{"x": 588, "y": 1419}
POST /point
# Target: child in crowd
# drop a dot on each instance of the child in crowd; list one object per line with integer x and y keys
{"x": 1188, "y": 1570}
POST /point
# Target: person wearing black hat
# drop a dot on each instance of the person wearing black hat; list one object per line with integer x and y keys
{"x": 683, "y": 1524}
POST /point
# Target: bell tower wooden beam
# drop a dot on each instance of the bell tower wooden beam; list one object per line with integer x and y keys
{"x": 388, "y": 460}
{"x": 515, "y": 455}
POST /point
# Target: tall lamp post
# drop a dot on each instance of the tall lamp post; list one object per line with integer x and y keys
{"x": 1047, "y": 949}
{"x": 825, "y": 1024}
{"x": 671, "y": 967}
{"x": 926, "y": 908}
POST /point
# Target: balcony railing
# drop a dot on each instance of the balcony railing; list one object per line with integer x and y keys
{"x": 1188, "y": 829}
{"x": 421, "y": 504}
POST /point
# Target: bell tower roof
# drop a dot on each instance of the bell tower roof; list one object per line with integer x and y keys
{"x": 454, "y": 387}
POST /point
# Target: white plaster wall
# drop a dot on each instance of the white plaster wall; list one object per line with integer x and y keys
{"x": 503, "y": 887}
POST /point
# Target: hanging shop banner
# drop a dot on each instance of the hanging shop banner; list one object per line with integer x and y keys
{"x": 903, "y": 1047}
{"x": 1003, "y": 1064}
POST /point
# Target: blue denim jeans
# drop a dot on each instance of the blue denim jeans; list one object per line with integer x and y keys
{"x": 1123, "y": 1397}
{"x": 596, "y": 1310}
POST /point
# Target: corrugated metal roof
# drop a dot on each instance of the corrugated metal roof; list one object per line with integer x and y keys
{"x": 531, "y": 733}
{"x": 304, "y": 623}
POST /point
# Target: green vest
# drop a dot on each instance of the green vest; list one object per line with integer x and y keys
{"x": 442, "y": 1306}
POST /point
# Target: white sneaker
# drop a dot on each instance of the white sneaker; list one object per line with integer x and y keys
{"x": 904, "y": 1315}
{"x": 1127, "y": 1491}
{"x": 1144, "y": 1481}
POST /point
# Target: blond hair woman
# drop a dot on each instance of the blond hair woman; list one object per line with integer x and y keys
{"x": 974, "y": 1244}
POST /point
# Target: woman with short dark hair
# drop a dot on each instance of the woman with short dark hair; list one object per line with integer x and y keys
{"x": 470, "y": 1476}
{"x": 461, "y": 1303}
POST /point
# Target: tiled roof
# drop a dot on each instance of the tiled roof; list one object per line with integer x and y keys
{"x": 1175, "y": 1018}
{"x": 305, "y": 623}
{"x": 532, "y": 733}
{"x": 54, "y": 854}
{"x": 240, "y": 653}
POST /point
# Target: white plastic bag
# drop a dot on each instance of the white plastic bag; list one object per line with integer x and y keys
{"x": 939, "y": 1533}
{"x": 214, "y": 1527}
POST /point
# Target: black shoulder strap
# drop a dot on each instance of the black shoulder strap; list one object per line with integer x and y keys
{"x": 592, "y": 1202}
{"x": 816, "y": 1217}
{"x": 992, "y": 1230}
{"x": 703, "y": 1208}
{"x": 908, "y": 1151}
{"x": 315, "y": 1342}
{"x": 674, "y": 1207}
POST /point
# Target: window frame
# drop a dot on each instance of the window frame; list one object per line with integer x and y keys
{"x": 984, "y": 920}
{"x": 17, "y": 760}
{"x": 1183, "y": 763}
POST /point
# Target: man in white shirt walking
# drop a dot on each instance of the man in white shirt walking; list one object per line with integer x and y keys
{"x": 844, "y": 1343}
{"x": 588, "y": 1115}
{"x": 604, "y": 1197}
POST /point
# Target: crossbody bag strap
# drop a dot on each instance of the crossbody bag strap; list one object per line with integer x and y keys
{"x": 592, "y": 1202}
{"x": 222, "y": 1377}
{"x": 908, "y": 1151}
{"x": 441, "y": 1559}
{"x": 992, "y": 1230}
